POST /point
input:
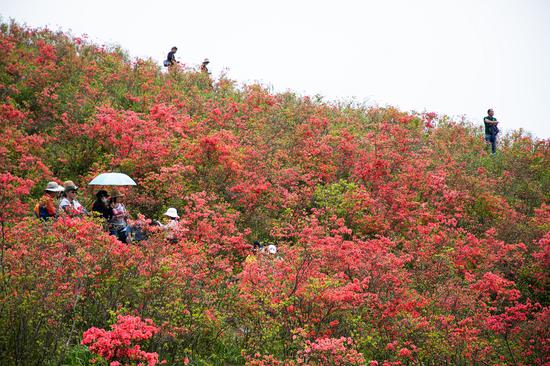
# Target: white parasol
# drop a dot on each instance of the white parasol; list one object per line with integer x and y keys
{"x": 112, "y": 179}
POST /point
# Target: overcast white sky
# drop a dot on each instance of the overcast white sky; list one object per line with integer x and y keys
{"x": 458, "y": 57}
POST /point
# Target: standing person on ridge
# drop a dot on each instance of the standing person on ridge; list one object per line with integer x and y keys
{"x": 203, "y": 66}
{"x": 171, "y": 58}
{"x": 491, "y": 130}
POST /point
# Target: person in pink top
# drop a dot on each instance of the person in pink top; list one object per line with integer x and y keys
{"x": 118, "y": 225}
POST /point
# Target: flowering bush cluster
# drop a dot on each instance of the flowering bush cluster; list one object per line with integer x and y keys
{"x": 400, "y": 239}
{"x": 117, "y": 345}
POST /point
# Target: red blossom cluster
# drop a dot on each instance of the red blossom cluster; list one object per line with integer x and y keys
{"x": 118, "y": 344}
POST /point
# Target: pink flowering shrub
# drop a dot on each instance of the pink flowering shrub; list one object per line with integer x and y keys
{"x": 322, "y": 351}
{"x": 120, "y": 344}
{"x": 330, "y": 351}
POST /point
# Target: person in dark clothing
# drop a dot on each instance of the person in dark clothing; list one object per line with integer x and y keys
{"x": 203, "y": 66}
{"x": 491, "y": 130}
{"x": 171, "y": 58}
{"x": 101, "y": 205}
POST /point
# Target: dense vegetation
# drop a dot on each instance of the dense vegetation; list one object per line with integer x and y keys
{"x": 401, "y": 240}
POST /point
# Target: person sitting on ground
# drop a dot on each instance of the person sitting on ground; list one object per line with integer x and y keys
{"x": 101, "y": 205}
{"x": 46, "y": 208}
{"x": 171, "y": 58}
{"x": 170, "y": 226}
{"x": 69, "y": 205}
{"x": 491, "y": 130}
{"x": 118, "y": 224}
{"x": 203, "y": 66}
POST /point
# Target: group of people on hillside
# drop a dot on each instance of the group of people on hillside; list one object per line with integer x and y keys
{"x": 490, "y": 122}
{"x": 60, "y": 201}
{"x": 171, "y": 61}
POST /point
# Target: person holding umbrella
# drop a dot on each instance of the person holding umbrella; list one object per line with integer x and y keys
{"x": 101, "y": 204}
{"x": 116, "y": 212}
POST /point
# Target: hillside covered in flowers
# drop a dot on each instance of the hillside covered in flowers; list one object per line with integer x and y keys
{"x": 401, "y": 240}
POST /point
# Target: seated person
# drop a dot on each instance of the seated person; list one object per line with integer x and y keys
{"x": 45, "y": 208}
{"x": 69, "y": 205}
{"x": 101, "y": 205}
{"x": 170, "y": 226}
{"x": 118, "y": 224}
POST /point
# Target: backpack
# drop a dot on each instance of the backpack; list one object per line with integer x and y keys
{"x": 41, "y": 212}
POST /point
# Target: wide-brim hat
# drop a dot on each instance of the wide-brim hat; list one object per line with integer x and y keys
{"x": 272, "y": 249}
{"x": 116, "y": 194}
{"x": 206, "y": 61}
{"x": 172, "y": 212}
{"x": 70, "y": 186}
{"x": 54, "y": 187}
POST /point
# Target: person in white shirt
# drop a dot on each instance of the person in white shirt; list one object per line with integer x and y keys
{"x": 69, "y": 205}
{"x": 171, "y": 225}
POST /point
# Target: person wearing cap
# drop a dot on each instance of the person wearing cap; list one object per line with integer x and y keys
{"x": 173, "y": 218}
{"x": 45, "y": 208}
{"x": 101, "y": 204}
{"x": 203, "y": 66}
{"x": 118, "y": 224}
{"x": 69, "y": 205}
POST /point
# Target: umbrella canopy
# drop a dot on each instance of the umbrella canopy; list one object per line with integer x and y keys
{"x": 112, "y": 179}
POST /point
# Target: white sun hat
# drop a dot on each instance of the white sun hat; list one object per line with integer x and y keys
{"x": 172, "y": 212}
{"x": 54, "y": 187}
{"x": 272, "y": 249}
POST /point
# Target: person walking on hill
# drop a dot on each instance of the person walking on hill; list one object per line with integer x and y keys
{"x": 69, "y": 205}
{"x": 46, "y": 208}
{"x": 491, "y": 130}
{"x": 203, "y": 66}
{"x": 171, "y": 58}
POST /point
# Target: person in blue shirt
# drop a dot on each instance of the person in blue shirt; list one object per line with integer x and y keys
{"x": 171, "y": 58}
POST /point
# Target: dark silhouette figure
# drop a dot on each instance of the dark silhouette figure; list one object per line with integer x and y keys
{"x": 491, "y": 130}
{"x": 171, "y": 58}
